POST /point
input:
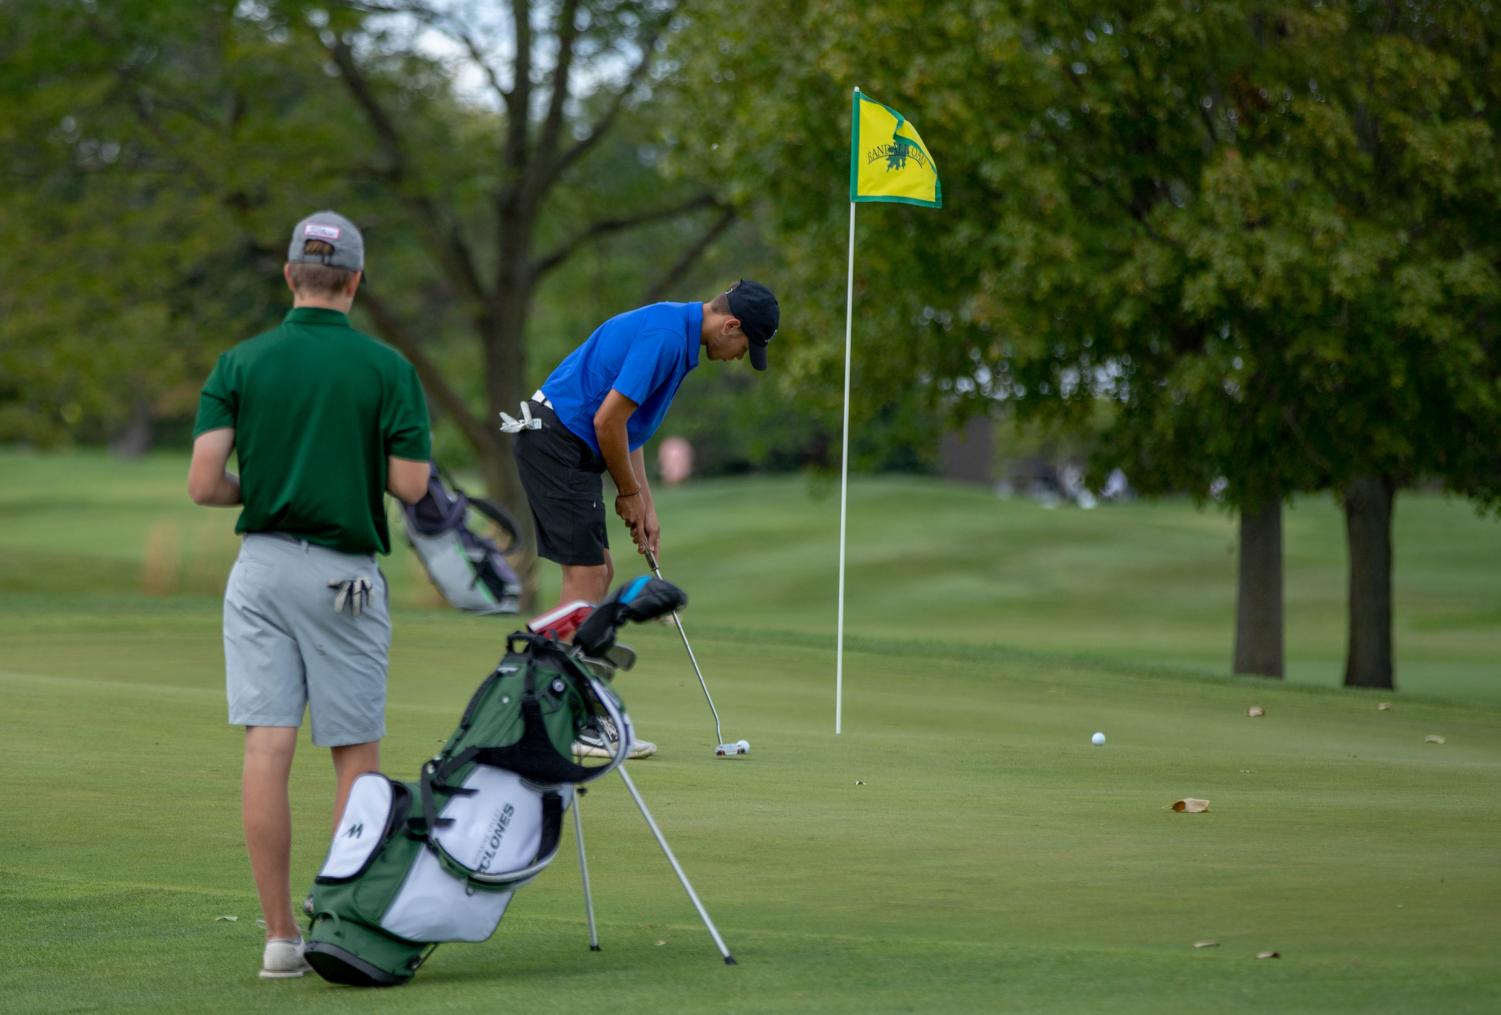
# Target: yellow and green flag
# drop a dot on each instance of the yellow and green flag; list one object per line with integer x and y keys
{"x": 888, "y": 161}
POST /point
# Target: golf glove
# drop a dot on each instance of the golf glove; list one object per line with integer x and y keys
{"x": 510, "y": 424}
{"x": 353, "y": 591}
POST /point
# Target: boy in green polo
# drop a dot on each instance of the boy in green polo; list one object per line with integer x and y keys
{"x": 324, "y": 421}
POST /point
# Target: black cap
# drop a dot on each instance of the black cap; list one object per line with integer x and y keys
{"x": 759, "y": 316}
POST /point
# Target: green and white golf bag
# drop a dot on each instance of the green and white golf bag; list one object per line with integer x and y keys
{"x": 415, "y": 864}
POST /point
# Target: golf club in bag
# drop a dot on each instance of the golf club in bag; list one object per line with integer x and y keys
{"x": 440, "y": 859}
{"x": 469, "y": 570}
{"x": 722, "y": 749}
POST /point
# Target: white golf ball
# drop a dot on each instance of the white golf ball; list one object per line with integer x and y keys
{"x": 744, "y": 746}
{"x": 1098, "y": 739}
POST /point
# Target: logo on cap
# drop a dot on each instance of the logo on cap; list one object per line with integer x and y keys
{"x": 319, "y": 231}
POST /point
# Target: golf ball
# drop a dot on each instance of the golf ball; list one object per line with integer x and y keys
{"x": 1098, "y": 739}
{"x": 744, "y": 746}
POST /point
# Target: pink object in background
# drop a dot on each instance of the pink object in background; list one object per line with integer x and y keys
{"x": 675, "y": 460}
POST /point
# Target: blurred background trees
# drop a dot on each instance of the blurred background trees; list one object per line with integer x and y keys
{"x": 1236, "y": 251}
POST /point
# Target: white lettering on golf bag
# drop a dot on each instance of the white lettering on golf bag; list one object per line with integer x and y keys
{"x": 501, "y": 823}
{"x": 492, "y": 846}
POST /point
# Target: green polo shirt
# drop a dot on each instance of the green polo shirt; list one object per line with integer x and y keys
{"x": 316, "y": 408}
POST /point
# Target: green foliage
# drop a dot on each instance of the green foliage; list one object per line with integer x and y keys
{"x": 157, "y": 154}
{"x": 1265, "y": 231}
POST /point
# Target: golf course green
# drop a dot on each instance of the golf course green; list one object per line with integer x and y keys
{"x": 960, "y": 847}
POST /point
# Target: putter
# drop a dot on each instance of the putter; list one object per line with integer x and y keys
{"x": 722, "y": 749}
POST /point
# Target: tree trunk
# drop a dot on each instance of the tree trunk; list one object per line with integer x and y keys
{"x": 134, "y": 439}
{"x": 505, "y": 366}
{"x": 1258, "y": 600}
{"x": 1368, "y": 530}
{"x": 968, "y": 455}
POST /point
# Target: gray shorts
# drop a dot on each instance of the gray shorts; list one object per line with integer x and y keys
{"x": 285, "y": 648}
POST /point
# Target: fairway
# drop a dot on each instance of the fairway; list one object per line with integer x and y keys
{"x": 960, "y": 848}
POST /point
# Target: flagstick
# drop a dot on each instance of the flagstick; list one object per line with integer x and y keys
{"x": 844, "y": 477}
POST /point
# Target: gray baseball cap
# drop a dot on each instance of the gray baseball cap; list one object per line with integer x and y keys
{"x": 326, "y": 237}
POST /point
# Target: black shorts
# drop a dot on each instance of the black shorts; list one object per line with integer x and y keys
{"x": 563, "y": 480}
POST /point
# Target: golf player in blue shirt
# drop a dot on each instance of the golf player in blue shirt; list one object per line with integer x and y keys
{"x": 600, "y": 407}
{"x": 596, "y": 412}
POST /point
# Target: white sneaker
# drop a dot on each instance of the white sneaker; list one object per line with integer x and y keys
{"x": 600, "y": 741}
{"x": 283, "y": 960}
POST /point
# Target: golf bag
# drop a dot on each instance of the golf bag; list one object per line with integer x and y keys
{"x": 469, "y": 571}
{"x": 415, "y": 864}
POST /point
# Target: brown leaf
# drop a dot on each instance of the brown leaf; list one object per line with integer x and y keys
{"x": 1269, "y": 955}
{"x": 1433, "y": 738}
{"x": 1383, "y": 706}
{"x": 1255, "y": 711}
{"x": 1206, "y": 944}
{"x": 1191, "y": 805}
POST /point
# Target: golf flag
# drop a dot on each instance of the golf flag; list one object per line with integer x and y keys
{"x": 888, "y": 161}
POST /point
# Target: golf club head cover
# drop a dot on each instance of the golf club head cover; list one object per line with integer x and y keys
{"x": 649, "y": 598}
{"x": 645, "y": 598}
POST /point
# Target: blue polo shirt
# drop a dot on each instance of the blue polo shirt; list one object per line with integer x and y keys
{"x": 644, "y": 354}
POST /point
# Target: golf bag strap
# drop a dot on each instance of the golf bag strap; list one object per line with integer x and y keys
{"x": 489, "y": 509}
{"x": 502, "y": 519}
{"x": 467, "y": 719}
{"x": 449, "y": 506}
{"x": 422, "y": 825}
{"x": 533, "y": 755}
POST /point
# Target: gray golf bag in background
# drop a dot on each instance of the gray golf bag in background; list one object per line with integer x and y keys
{"x": 470, "y": 571}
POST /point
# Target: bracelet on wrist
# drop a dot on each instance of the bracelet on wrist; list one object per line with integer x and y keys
{"x": 632, "y": 493}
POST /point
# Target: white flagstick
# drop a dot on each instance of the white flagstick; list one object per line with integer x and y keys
{"x": 844, "y": 477}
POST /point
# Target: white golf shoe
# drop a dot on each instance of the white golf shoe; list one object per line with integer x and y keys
{"x": 599, "y": 742}
{"x": 283, "y": 960}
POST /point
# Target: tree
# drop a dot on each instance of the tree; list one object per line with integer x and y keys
{"x": 499, "y": 242}
{"x": 1196, "y": 214}
{"x": 222, "y": 122}
{"x": 1048, "y": 284}
{"x": 1364, "y": 229}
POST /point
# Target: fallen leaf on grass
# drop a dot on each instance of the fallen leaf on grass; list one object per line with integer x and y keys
{"x": 1255, "y": 711}
{"x": 1206, "y": 944}
{"x": 661, "y": 943}
{"x": 227, "y": 917}
{"x": 1269, "y": 955}
{"x": 1433, "y": 738}
{"x": 1383, "y": 706}
{"x": 1191, "y": 805}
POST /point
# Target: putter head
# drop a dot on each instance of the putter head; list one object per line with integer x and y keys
{"x": 730, "y": 750}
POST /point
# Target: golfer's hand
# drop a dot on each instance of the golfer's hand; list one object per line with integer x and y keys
{"x": 632, "y": 511}
{"x": 651, "y": 531}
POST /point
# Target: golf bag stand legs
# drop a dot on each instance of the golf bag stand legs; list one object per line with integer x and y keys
{"x": 578, "y": 835}
{"x": 729, "y": 959}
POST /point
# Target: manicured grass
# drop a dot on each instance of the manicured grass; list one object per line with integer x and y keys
{"x": 961, "y": 847}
